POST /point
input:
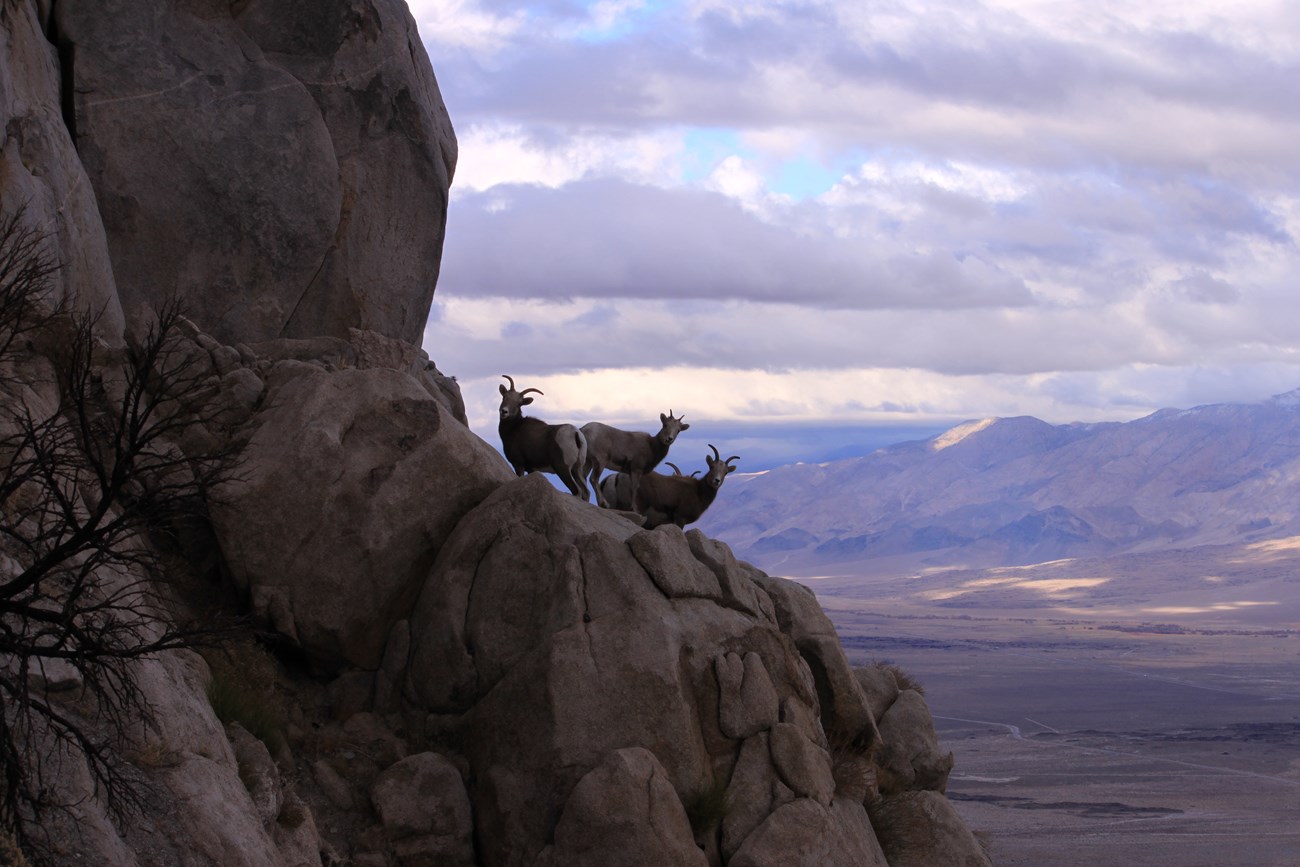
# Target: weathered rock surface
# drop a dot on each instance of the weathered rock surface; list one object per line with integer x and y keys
{"x": 921, "y": 829}
{"x": 538, "y": 601}
{"x": 425, "y": 811}
{"x": 258, "y": 773}
{"x": 748, "y": 702}
{"x": 802, "y": 764}
{"x": 805, "y": 833}
{"x": 212, "y": 801}
{"x": 298, "y": 147}
{"x": 626, "y": 812}
{"x": 40, "y": 169}
{"x": 909, "y": 756}
{"x": 753, "y": 793}
{"x": 353, "y": 480}
{"x": 879, "y": 688}
{"x": 846, "y": 714}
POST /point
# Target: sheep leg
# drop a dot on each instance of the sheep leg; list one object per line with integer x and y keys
{"x": 566, "y": 476}
{"x": 585, "y": 492}
{"x": 596, "y": 470}
{"x": 634, "y": 479}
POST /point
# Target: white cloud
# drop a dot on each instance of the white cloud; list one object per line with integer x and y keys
{"x": 500, "y": 153}
{"x": 464, "y": 24}
{"x": 1038, "y": 206}
{"x": 714, "y": 398}
{"x": 734, "y": 178}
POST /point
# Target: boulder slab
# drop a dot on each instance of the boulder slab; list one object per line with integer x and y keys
{"x": 298, "y": 147}
{"x": 349, "y": 486}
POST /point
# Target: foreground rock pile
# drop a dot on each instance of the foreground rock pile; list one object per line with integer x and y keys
{"x": 458, "y": 667}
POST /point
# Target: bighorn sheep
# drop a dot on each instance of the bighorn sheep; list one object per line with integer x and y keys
{"x": 631, "y": 452}
{"x": 670, "y": 499}
{"x": 531, "y": 444}
{"x": 618, "y": 487}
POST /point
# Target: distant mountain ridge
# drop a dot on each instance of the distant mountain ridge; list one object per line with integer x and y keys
{"x": 1013, "y": 491}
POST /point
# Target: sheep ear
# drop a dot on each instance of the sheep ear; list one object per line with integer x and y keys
{"x": 526, "y": 401}
{"x": 686, "y": 427}
{"x": 730, "y": 469}
{"x": 502, "y": 389}
{"x": 663, "y": 419}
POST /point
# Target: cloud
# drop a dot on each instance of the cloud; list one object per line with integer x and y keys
{"x": 464, "y": 24}
{"x": 577, "y": 336}
{"x": 808, "y": 210}
{"x": 611, "y": 239}
{"x": 725, "y": 405}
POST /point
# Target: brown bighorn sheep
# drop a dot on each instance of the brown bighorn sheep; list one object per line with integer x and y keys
{"x": 531, "y": 444}
{"x": 631, "y": 452}
{"x": 670, "y": 499}
{"x": 617, "y": 488}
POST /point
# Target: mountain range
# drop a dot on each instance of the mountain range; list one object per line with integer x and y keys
{"x": 1016, "y": 491}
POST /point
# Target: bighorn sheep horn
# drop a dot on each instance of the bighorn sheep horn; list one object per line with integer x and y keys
{"x": 677, "y": 471}
{"x": 718, "y": 457}
{"x": 526, "y": 390}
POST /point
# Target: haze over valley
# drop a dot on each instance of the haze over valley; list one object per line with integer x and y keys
{"x": 1105, "y": 617}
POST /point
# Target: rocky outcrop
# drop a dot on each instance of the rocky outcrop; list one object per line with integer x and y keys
{"x": 910, "y": 753}
{"x": 921, "y": 829}
{"x": 280, "y": 165}
{"x": 40, "y": 171}
{"x": 540, "y": 627}
{"x": 624, "y": 811}
{"x": 425, "y": 812}
{"x": 351, "y": 484}
{"x": 907, "y": 776}
{"x": 517, "y": 677}
{"x": 213, "y": 797}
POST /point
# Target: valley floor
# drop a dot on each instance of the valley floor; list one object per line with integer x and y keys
{"x": 1095, "y": 742}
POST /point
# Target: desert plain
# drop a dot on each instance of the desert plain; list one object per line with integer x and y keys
{"x": 1140, "y": 711}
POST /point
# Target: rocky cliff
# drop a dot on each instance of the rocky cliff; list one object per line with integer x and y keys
{"x": 446, "y": 665}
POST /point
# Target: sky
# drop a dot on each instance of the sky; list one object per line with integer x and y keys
{"x": 819, "y": 226}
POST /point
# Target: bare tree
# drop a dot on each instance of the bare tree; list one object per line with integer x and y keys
{"x": 93, "y": 483}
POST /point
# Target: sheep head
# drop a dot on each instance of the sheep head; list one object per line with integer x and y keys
{"x": 672, "y": 427}
{"x": 512, "y": 401}
{"x": 718, "y": 468}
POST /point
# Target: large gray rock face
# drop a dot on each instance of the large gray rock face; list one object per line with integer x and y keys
{"x": 281, "y": 165}
{"x": 425, "y": 811}
{"x": 208, "y": 802}
{"x": 806, "y": 833}
{"x": 350, "y": 485}
{"x": 40, "y": 170}
{"x": 625, "y": 812}
{"x": 921, "y": 829}
{"x": 909, "y": 756}
{"x": 542, "y": 624}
